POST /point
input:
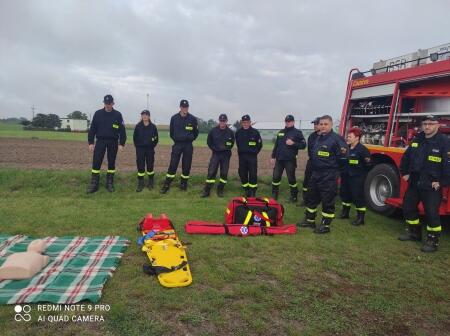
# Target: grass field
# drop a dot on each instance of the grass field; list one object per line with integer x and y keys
{"x": 16, "y": 131}
{"x": 354, "y": 281}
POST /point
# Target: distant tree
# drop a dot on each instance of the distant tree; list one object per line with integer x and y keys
{"x": 237, "y": 124}
{"x": 24, "y": 122}
{"x": 39, "y": 120}
{"x": 53, "y": 121}
{"x": 211, "y": 124}
{"x": 206, "y": 126}
{"x": 10, "y": 120}
{"x": 46, "y": 121}
{"x": 77, "y": 115}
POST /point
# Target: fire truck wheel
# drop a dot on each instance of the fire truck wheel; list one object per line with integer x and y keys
{"x": 381, "y": 182}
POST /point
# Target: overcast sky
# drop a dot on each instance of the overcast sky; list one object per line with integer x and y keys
{"x": 264, "y": 58}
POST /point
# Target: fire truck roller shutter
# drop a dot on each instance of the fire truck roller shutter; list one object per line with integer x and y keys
{"x": 382, "y": 182}
{"x": 374, "y": 91}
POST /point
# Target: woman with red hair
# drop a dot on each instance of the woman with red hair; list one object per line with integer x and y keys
{"x": 353, "y": 177}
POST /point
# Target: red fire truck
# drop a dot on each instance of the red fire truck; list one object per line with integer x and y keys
{"x": 388, "y": 103}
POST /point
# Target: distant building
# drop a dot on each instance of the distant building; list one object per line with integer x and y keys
{"x": 75, "y": 125}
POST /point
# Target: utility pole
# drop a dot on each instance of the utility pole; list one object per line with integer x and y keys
{"x": 32, "y": 111}
{"x": 148, "y": 97}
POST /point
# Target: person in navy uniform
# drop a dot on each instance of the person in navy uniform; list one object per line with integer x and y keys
{"x": 249, "y": 144}
{"x": 329, "y": 155}
{"x": 220, "y": 140}
{"x": 106, "y": 135}
{"x": 310, "y": 143}
{"x": 425, "y": 165}
{"x": 284, "y": 156}
{"x": 183, "y": 132}
{"x": 353, "y": 177}
{"x": 145, "y": 138}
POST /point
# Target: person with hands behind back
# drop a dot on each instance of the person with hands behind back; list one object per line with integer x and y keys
{"x": 284, "y": 157}
{"x": 249, "y": 144}
{"x": 353, "y": 177}
{"x": 425, "y": 166}
{"x": 145, "y": 138}
{"x": 107, "y": 131}
{"x": 220, "y": 140}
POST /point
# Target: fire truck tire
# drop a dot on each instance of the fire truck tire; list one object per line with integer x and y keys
{"x": 382, "y": 182}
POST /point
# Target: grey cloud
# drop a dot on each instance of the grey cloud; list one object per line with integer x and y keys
{"x": 266, "y": 58}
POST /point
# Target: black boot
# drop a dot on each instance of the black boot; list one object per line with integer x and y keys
{"x": 183, "y": 184}
{"x": 253, "y": 192}
{"x": 302, "y": 202}
{"x": 324, "y": 226}
{"x": 110, "y": 182}
{"x": 151, "y": 181}
{"x": 294, "y": 193}
{"x": 247, "y": 191}
{"x": 166, "y": 186}
{"x": 206, "y": 190}
{"x": 275, "y": 191}
{"x": 359, "y": 218}
{"x": 432, "y": 242}
{"x": 220, "y": 189}
{"x": 345, "y": 211}
{"x": 93, "y": 186}
{"x": 413, "y": 233}
{"x": 309, "y": 220}
{"x": 140, "y": 184}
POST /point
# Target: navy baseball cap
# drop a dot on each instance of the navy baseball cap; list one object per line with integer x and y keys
{"x": 223, "y": 117}
{"x": 245, "y": 117}
{"x": 147, "y": 112}
{"x": 430, "y": 117}
{"x": 289, "y": 117}
{"x": 184, "y": 103}
{"x": 108, "y": 99}
{"x": 316, "y": 121}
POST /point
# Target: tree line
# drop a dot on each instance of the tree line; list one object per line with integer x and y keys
{"x": 50, "y": 121}
{"x": 53, "y": 121}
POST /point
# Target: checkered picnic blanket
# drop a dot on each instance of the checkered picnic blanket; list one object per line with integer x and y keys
{"x": 78, "y": 269}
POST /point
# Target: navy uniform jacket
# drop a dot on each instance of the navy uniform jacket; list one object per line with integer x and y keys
{"x": 359, "y": 161}
{"x": 427, "y": 160}
{"x": 183, "y": 129}
{"x": 282, "y": 151}
{"x": 107, "y": 126}
{"x": 220, "y": 140}
{"x": 329, "y": 152}
{"x": 311, "y": 141}
{"x": 145, "y": 136}
{"x": 248, "y": 141}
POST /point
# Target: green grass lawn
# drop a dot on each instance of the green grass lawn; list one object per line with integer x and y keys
{"x": 16, "y": 131}
{"x": 354, "y": 281}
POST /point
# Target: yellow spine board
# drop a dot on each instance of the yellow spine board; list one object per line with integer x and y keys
{"x": 169, "y": 253}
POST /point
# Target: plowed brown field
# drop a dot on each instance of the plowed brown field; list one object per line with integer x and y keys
{"x": 55, "y": 154}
